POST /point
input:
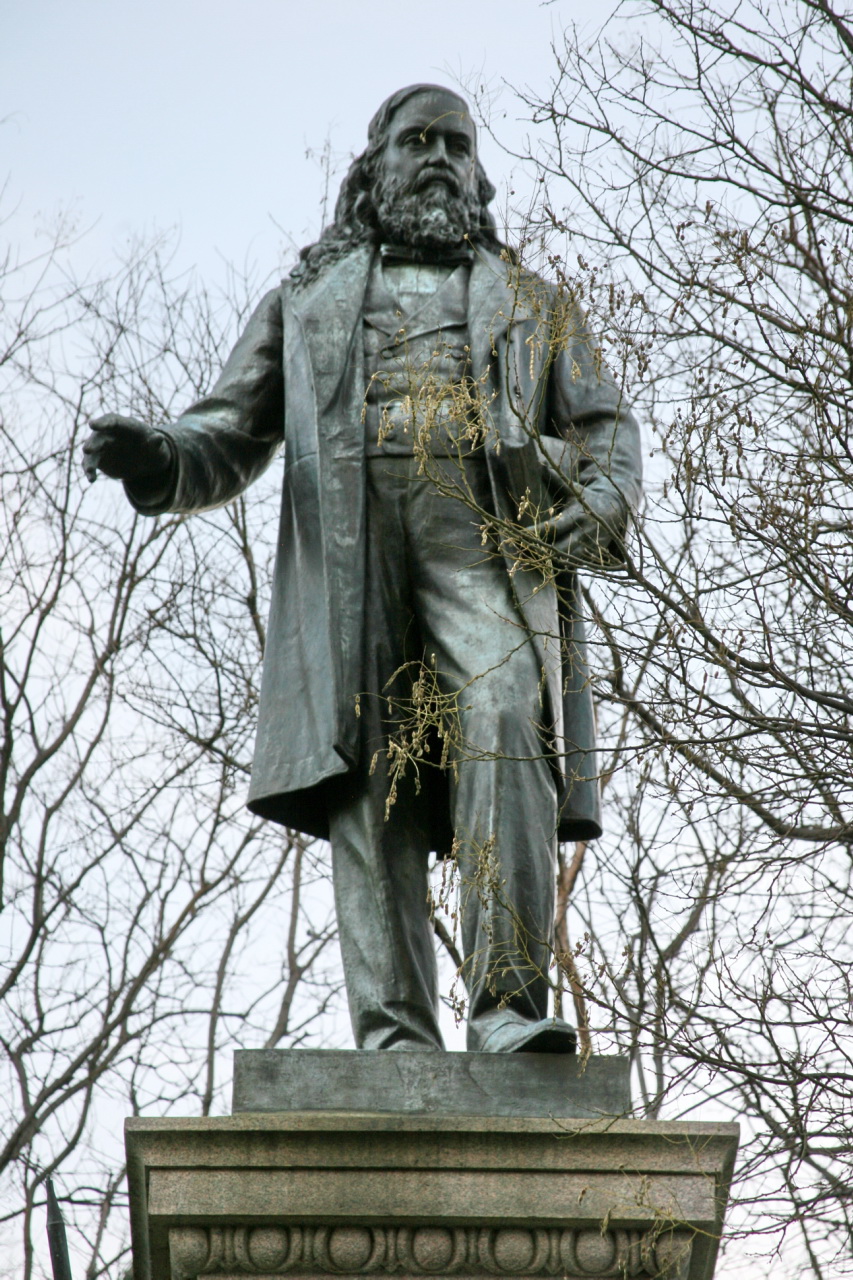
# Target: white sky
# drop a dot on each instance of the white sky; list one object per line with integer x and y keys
{"x": 197, "y": 114}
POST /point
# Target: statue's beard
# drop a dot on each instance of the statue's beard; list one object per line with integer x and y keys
{"x": 426, "y": 211}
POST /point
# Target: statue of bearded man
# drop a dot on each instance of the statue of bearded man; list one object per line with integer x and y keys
{"x": 408, "y": 332}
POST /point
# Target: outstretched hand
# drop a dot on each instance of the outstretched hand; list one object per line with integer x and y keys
{"x": 125, "y": 449}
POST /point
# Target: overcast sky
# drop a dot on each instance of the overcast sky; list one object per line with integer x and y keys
{"x": 197, "y": 114}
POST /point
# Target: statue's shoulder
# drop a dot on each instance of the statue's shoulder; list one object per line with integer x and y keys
{"x": 338, "y": 278}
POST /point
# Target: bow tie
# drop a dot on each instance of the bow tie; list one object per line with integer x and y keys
{"x": 426, "y": 254}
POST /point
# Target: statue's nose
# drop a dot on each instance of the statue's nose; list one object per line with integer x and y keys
{"x": 438, "y": 152}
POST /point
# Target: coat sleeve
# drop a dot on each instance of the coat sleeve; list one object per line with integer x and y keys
{"x": 596, "y": 457}
{"x": 227, "y": 439}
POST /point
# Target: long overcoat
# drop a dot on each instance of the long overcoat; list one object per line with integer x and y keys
{"x": 297, "y": 374}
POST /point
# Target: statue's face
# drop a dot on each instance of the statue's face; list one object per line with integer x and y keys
{"x": 425, "y": 191}
{"x": 431, "y": 140}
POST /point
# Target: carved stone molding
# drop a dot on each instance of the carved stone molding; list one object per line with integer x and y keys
{"x": 314, "y": 1195}
{"x": 423, "y": 1251}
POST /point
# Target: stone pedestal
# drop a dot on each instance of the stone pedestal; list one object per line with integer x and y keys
{"x": 401, "y": 1185}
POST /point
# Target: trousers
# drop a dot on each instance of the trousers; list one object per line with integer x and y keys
{"x": 449, "y": 671}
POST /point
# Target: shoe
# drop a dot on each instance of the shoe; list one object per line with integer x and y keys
{"x": 549, "y": 1035}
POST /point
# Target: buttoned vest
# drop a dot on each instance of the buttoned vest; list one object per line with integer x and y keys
{"x": 416, "y": 367}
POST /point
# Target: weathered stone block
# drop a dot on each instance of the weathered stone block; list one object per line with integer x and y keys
{"x": 495, "y": 1084}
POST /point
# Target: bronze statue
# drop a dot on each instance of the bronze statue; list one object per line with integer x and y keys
{"x": 383, "y": 577}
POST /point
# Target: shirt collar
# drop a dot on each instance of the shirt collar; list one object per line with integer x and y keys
{"x": 427, "y": 255}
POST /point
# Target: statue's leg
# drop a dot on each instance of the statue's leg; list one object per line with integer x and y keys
{"x": 503, "y": 790}
{"x": 379, "y": 850}
{"x": 380, "y": 877}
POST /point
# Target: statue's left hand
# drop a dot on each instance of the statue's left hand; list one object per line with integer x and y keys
{"x": 588, "y": 533}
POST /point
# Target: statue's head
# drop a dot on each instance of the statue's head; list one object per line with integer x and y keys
{"x": 418, "y": 182}
{"x": 424, "y": 181}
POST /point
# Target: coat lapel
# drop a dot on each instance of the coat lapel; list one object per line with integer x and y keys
{"x": 490, "y": 303}
{"x": 329, "y": 311}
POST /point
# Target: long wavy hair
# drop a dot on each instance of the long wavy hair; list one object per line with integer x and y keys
{"x": 355, "y": 221}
